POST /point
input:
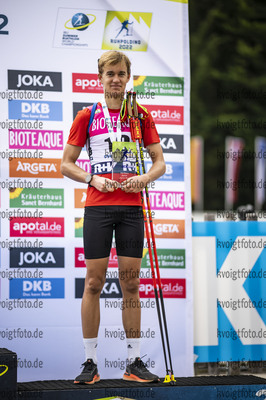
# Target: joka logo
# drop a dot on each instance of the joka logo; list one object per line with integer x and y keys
{"x": 41, "y": 110}
{"x": 41, "y": 140}
{"x": 43, "y": 227}
{"x": 172, "y": 288}
{"x": 48, "y": 257}
{"x": 174, "y": 171}
{"x": 37, "y": 168}
{"x": 172, "y": 143}
{"x": 169, "y": 228}
{"x": 80, "y": 258}
{"x": 35, "y": 80}
{"x": 171, "y": 115}
{"x": 48, "y": 288}
{"x": 86, "y": 83}
{"x": 78, "y": 107}
{"x": 111, "y": 289}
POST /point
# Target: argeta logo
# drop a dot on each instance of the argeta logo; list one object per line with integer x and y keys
{"x": 35, "y": 80}
{"x": 169, "y": 228}
{"x": 36, "y": 168}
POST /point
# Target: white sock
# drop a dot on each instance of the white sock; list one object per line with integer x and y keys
{"x": 90, "y": 346}
{"x": 133, "y": 349}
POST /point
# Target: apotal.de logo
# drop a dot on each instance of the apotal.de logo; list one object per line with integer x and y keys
{"x": 171, "y": 288}
{"x": 37, "y": 227}
{"x": 86, "y": 83}
{"x": 171, "y": 115}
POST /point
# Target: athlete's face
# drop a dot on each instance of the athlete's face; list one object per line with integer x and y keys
{"x": 114, "y": 78}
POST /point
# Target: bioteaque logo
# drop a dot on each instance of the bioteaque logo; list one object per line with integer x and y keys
{"x": 35, "y": 168}
{"x": 167, "y": 200}
{"x": 171, "y": 115}
{"x": 169, "y": 228}
{"x": 171, "y": 287}
{"x": 86, "y": 83}
{"x": 37, "y": 227}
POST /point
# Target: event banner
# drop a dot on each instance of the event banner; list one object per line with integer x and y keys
{"x": 49, "y": 73}
{"x": 229, "y": 264}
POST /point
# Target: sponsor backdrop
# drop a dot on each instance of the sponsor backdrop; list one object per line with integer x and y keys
{"x": 48, "y": 74}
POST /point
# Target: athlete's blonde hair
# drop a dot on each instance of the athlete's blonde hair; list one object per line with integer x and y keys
{"x": 113, "y": 57}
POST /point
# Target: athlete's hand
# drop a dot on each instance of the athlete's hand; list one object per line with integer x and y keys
{"x": 103, "y": 184}
{"x": 135, "y": 184}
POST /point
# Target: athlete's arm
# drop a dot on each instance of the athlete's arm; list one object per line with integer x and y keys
{"x": 72, "y": 171}
{"x": 68, "y": 166}
{"x": 138, "y": 183}
{"x": 158, "y": 167}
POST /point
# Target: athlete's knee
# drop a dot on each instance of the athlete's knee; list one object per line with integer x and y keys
{"x": 93, "y": 285}
{"x": 130, "y": 285}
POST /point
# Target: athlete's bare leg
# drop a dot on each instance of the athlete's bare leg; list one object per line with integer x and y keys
{"x": 129, "y": 269}
{"x": 90, "y": 306}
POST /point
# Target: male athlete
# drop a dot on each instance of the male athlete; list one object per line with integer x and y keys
{"x": 111, "y": 208}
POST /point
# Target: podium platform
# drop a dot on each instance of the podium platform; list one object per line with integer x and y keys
{"x": 191, "y": 388}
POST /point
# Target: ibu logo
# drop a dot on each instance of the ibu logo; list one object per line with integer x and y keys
{"x": 37, "y": 288}
{"x": 37, "y": 110}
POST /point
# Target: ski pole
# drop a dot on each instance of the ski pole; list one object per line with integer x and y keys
{"x": 137, "y": 136}
{"x": 135, "y": 113}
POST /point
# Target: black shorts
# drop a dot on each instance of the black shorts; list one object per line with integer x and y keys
{"x": 101, "y": 221}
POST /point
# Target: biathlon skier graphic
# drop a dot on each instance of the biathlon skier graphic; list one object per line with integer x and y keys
{"x": 125, "y": 26}
{"x": 114, "y": 207}
{"x": 79, "y": 21}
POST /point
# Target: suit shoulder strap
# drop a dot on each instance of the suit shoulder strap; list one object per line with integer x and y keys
{"x": 92, "y": 115}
